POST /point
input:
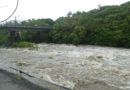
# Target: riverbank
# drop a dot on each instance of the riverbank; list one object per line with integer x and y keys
{"x": 73, "y": 66}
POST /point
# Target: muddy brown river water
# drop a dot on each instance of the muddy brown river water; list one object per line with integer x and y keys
{"x": 76, "y": 67}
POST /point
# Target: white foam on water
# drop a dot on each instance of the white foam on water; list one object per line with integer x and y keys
{"x": 72, "y": 64}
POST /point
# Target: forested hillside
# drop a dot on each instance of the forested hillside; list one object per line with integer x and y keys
{"x": 107, "y": 26}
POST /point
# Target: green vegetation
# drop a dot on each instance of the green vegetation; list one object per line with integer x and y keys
{"x": 19, "y": 75}
{"x": 21, "y": 44}
{"x": 50, "y": 57}
{"x": 109, "y": 26}
{"x": 3, "y": 37}
{"x": 106, "y": 26}
{"x": 19, "y": 64}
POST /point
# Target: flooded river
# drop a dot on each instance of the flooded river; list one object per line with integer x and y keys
{"x": 76, "y": 67}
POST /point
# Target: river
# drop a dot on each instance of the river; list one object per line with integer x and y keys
{"x": 72, "y": 66}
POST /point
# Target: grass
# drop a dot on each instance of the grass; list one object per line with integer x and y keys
{"x": 19, "y": 64}
{"x": 50, "y": 57}
{"x": 21, "y": 45}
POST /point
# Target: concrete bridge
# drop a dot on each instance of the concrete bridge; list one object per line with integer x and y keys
{"x": 29, "y": 28}
{"x": 15, "y": 31}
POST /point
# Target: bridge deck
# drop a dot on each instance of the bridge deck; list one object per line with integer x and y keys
{"x": 20, "y": 28}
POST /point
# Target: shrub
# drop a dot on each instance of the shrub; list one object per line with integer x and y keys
{"x": 21, "y": 44}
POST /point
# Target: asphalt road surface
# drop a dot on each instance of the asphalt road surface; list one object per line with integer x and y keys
{"x": 10, "y": 81}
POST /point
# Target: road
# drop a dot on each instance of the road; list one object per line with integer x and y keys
{"x": 10, "y": 81}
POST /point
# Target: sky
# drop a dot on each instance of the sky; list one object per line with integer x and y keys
{"x": 53, "y": 9}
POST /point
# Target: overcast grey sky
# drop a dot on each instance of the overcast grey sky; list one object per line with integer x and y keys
{"x": 50, "y": 8}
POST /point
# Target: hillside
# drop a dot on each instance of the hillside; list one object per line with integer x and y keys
{"x": 107, "y": 26}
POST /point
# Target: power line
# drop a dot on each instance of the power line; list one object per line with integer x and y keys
{"x": 11, "y": 13}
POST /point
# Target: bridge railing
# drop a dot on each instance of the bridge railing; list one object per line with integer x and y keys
{"x": 29, "y": 28}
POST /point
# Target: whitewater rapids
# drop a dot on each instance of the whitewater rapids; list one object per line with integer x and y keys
{"x": 77, "y": 67}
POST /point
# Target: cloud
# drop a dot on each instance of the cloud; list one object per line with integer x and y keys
{"x": 55, "y": 8}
